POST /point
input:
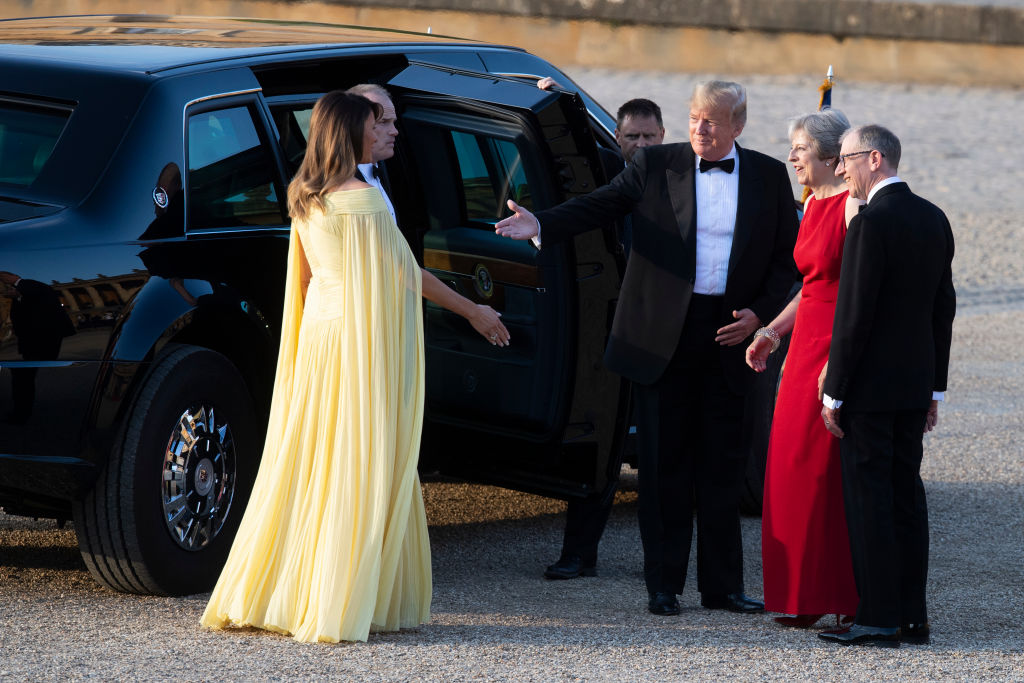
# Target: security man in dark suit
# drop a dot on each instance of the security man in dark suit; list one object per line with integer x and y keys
{"x": 713, "y": 232}
{"x": 887, "y": 370}
{"x": 638, "y": 124}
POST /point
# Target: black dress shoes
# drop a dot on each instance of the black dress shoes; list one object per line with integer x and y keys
{"x": 663, "y": 604}
{"x": 916, "y": 634}
{"x": 864, "y": 635}
{"x": 734, "y": 602}
{"x": 570, "y": 568}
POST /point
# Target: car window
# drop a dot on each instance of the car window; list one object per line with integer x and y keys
{"x": 230, "y": 172}
{"x": 28, "y": 134}
{"x": 491, "y": 172}
{"x": 292, "y": 124}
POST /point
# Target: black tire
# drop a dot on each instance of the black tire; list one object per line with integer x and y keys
{"x": 123, "y": 526}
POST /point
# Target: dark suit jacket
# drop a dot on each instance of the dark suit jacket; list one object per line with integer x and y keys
{"x": 659, "y": 189}
{"x": 894, "y": 312}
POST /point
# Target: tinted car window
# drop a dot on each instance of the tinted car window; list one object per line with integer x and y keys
{"x": 230, "y": 172}
{"x": 293, "y": 128}
{"x": 28, "y": 134}
{"x": 491, "y": 171}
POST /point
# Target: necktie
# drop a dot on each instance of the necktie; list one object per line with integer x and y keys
{"x": 726, "y": 165}
{"x": 374, "y": 172}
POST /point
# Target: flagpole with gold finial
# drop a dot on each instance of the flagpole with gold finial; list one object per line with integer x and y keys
{"x": 824, "y": 102}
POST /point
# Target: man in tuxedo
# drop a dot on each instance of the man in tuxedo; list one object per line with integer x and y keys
{"x": 638, "y": 124}
{"x": 480, "y": 316}
{"x": 374, "y": 173}
{"x": 713, "y": 232}
{"x": 887, "y": 370}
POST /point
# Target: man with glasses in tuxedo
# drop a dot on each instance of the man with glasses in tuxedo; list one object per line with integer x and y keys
{"x": 887, "y": 370}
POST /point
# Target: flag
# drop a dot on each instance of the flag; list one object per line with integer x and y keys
{"x": 826, "y": 91}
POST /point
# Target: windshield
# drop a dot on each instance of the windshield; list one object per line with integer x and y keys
{"x": 28, "y": 133}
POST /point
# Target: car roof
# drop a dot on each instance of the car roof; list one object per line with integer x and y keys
{"x": 149, "y": 43}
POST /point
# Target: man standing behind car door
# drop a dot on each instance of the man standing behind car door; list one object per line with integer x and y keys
{"x": 638, "y": 124}
{"x": 374, "y": 173}
{"x": 481, "y": 317}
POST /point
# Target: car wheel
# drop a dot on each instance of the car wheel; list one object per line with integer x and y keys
{"x": 162, "y": 515}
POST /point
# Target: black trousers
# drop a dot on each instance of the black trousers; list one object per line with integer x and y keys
{"x": 585, "y": 521}
{"x": 886, "y": 515}
{"x": 688, "y": 431}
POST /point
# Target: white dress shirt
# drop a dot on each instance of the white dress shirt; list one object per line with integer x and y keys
{"x": 837, "y": 403}
{"x": 368, "y": 175}
{"x": 717, "y": 199}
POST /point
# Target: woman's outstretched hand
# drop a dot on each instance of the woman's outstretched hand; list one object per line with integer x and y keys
{"x": 758, "y": 352}
{"x": 487, "y": 322}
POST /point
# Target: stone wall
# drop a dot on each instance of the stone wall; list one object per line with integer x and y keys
{"x": 838, "y": 18}
{"x": 865, "y": 41}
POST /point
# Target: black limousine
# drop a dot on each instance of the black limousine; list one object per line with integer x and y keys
{"x": 143, "y": 232}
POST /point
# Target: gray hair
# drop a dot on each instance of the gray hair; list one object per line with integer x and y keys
{"x": 825, "y": 128}
{"x": 364, "y": 89}
{"x": 715, "y": 94}
{"x": 873, "y": 136}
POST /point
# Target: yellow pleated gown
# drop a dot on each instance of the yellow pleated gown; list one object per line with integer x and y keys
{"x": 333, "y": 544}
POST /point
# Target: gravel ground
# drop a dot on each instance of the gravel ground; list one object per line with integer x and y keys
{"x": 494, "y": 617}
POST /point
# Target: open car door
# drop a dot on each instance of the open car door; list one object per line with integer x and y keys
{"x": 543, "y": 414}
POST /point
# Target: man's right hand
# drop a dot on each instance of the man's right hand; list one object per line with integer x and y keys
{"x": 932, "y": 417}
{"x": 521, "y": 225}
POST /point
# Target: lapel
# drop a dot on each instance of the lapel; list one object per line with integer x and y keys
{"x": 382, "y": 176}
{"x": 748, "y": 204}
{"x": 682, "y": 193}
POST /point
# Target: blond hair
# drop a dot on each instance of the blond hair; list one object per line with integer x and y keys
{"x": 333, "y": 151}
{"x": 710, "y": 95}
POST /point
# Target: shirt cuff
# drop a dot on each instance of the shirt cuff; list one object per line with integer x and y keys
{"x": 830, "y": 402}
{"x": 535, "y": 240}
{"x": 938, "y": 395}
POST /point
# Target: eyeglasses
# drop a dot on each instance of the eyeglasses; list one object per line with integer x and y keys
{"x": 844, "y": 157}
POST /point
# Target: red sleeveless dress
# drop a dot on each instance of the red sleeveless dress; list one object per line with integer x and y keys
{"x": 805, "y": 547}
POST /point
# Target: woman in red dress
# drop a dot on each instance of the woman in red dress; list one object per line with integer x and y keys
{"x": 804, "y": 543}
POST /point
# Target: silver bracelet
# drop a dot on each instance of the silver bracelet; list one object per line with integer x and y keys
{"x": 770, "y": 333}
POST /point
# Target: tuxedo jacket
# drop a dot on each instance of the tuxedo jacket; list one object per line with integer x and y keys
{"x": 658, "y": 189}
{"x": 894, "y": 311}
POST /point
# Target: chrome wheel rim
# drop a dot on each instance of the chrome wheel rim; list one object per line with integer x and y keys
{"x": 198, "y": 477}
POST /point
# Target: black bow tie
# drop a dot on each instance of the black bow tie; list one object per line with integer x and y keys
{"x": 373, "y": 171}
{"x": 725, "y": 164}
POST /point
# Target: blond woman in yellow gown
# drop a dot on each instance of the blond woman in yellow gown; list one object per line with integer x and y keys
{"x": 333, "y": 544}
